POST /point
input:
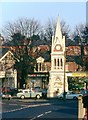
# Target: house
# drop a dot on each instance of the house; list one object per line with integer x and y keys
{"x": 8, "y": 75}
{"x": 40, "y": 77}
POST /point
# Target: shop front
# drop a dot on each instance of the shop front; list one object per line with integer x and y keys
{"x": 37, "y": 80}
{"x": 77, "y": 81}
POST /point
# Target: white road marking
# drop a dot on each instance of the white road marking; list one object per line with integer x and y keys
{"x": 40, "y": 115}
{"x": 48, "y": 112}
{"x": 28, "y": 106}
{"x": 33, "y": 118}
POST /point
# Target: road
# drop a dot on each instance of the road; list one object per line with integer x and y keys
{"x": 34, "y": 109}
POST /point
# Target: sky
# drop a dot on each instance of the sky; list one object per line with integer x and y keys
{"x": 73, "y": 13}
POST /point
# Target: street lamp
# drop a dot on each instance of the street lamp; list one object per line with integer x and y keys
{"x": 64, "y": 94}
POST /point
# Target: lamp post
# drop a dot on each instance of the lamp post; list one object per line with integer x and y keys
{"x": 64, "y": 94}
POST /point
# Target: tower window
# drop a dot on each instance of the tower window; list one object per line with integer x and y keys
{"x": 58, "y": 62}
{"x": 61, "y": 62}
{"x": 55, "y": 63}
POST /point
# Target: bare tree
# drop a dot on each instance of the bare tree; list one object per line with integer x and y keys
{"x": 80, "y": 36}
{"x": 50, "y": 28}
{"x": 65, "y": 29}
{"x": 25, "y": 26}
{"x": 78, "y": 32}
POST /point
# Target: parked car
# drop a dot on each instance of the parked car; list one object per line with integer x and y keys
{"x": 6, "y": 96}
{"x": 26, "y": 93}
{"x": 14, "y": 91}
{"x": 9, "y": 90}
{"x": 44, "y": 91}
{"x": 70, "y": 95}
{"x": 37, "y": 89}
{"x": 84, "y": 92}
{"x": 6, "y": 89}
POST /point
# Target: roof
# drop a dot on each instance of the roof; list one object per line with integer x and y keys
{"x": 5, "y": 54}
{"x": 3, "y": 51}
{"x": 43, "y": 48}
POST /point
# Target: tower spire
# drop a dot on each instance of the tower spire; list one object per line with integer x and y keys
{"x": 58, "y": 29}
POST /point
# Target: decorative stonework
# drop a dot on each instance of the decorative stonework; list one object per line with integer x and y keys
{"x": 57, "y": 48}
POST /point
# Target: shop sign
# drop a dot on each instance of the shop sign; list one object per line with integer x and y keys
{"x": 79, "y": 74}
{"x": 37, "y": 75}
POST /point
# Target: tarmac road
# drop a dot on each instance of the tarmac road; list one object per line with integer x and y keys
{"x": 43, "y": 108}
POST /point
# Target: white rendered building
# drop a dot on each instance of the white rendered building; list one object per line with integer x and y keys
{"x": 58, "y": 80}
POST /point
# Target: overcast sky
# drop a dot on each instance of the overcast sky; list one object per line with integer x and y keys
{"x": 73, "y": 13}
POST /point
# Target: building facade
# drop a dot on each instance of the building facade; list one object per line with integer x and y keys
{"x": 40, "y": 77}
{"x": 8, "y": 75}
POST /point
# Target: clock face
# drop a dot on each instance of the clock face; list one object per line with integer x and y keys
{"x": 58, "y": 47}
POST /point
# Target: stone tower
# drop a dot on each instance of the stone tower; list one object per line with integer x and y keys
{"x": 57, "y": 80}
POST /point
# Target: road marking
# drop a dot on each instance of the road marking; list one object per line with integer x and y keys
{"x": 33, "y": 118}
{"x": 28, "y": 106}
{"x": 48, "y": 112}
{"x": 40, "y": 115}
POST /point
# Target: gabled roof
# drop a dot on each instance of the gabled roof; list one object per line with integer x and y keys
{"x": 3, "y": 51}
{"x": 40, "y": 60}
{"x": 5, "y": 54}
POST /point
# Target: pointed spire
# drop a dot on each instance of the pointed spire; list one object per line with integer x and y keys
{"x": 58, "y": 29}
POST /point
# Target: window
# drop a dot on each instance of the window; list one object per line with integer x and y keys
{"x": 58, "y": 62}
{"x": 25, "y": 91}
{"x": 61, "y": 62}
{"x": 40, "y": 67}
{"x": 55, "y": 63}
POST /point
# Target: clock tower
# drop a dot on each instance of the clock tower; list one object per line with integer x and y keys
{"x": 57, "y": 80}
